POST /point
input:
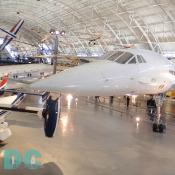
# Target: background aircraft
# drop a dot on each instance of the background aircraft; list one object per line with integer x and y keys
{"x": 14, "y": 77}
{"x": 21, "y": 72}
{"x": 4, "y": 81}
{"x": 12, "y": 34}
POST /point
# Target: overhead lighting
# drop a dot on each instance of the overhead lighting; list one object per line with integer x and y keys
{"x": 52, "y": 31}
{"x": 57, "y": 32}
{"x": 62, "y": 33}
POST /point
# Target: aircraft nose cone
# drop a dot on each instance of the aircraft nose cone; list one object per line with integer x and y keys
{"x": 77, "y": 80}
{"x": 56, "y": 82}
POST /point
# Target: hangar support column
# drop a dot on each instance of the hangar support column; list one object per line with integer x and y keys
{"x": 55, "y": 53}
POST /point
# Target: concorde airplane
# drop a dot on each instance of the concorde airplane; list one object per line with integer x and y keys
{"x": 126, "y": 71}
{"x": 11, "y": 34}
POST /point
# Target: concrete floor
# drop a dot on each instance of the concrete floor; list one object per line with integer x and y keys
{"x": 92, "y": 139}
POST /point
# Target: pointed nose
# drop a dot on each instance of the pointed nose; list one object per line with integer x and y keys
{"x": 78, "y": 80}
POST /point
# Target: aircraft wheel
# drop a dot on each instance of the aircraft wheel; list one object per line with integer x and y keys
{"x": 155, "y": 127}
{"x": 50, "y": 115}
{"x": 161, "y": 128}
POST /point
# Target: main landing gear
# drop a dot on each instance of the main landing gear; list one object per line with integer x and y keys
{"x": 158, "y": 127}
{"x": 50, "y": 114}
{"x": 159, "y": 124}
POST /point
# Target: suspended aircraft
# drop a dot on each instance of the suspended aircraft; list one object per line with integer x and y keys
{"x": 11, "y": 34}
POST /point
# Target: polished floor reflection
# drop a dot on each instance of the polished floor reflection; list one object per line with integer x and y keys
{"x": 95, "y": 139}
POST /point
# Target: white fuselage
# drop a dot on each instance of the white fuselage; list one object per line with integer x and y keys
{"x": 24, "y": 69}
{"x": 109, "y": 78}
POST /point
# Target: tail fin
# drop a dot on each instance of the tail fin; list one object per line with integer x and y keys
{"x": 4, "y": 82}
{"x": 12, "y": 34}
{"x": 17, "y": 26}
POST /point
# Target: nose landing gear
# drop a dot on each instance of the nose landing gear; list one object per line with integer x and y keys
{"x": 50, "y": 115}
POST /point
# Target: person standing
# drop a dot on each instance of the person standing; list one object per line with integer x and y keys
{"x": 127, "y": 101}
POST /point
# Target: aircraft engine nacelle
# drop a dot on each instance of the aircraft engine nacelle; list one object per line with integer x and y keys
{"x": 50, "y": 115}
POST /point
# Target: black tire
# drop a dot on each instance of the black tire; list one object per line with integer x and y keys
{"x": 161, "y": 128}
{"x": 155, "y": 127}
{"x": 151, "y": 117}
{"x": 50, "y": 118}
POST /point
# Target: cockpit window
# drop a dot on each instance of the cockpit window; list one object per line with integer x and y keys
{"x": 132, "y": 61}
{"x": 172, "y": 72}
{"x": 141, "y": 59}
{"x": 124, "y": 58}
{"x": 115, "y": 56}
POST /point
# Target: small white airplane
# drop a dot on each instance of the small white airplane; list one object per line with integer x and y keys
{"x": 126, "y": 71}
{"x": 9, "y": 71}
{"x": 6, "y": 83}
{"x": 23, "y": 68}
{"x": 10, "y": 35}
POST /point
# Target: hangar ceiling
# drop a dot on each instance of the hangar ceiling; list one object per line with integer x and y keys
{"x": 144, "y": 23}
